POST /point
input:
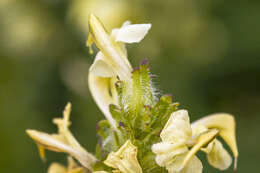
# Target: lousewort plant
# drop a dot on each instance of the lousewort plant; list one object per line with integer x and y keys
{"x": 142, "y": 131}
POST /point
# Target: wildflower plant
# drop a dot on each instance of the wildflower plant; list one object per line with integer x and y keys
{"x": 143, "y": 132}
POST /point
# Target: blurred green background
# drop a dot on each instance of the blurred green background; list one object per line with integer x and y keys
{"x": 205, "y": 52}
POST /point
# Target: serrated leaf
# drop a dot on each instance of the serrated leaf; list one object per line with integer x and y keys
{"x": 162, "y": 110}
{"x": 145, "y": 81}
{"x": 108, "y": 141}
{"x": 116, "y": 114}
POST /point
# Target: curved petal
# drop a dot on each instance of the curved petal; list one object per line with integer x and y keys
{"x": 165, "y": 147}
{"x": 226, "y": 125}
{"x": 132, "y": 33}
{"x": 166, "y": 152}
{"x": 111, "y": 62}
{"x": 111, "y": 50}
{"x": 51, "y": 143}
{"x": 64, "y": 141}
{"x": 202, "y": 140}
{"x": 100, "y": 67}
{"x": 102, "y": 92}
{"x": 115, "y": 31}
{"x": 217, "y": 156}
{"x": 113, "y": 34}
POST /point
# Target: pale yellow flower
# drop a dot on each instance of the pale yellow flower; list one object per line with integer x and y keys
{"x": 63, "y": 141}
{"x": 125, "y": 159}
{"x": 171, "y": 152}
{"x": 111, "y": 61}
{"x": 181, "y": 141}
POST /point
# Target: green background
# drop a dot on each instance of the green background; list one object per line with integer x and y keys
{"x": 205, "y": 52}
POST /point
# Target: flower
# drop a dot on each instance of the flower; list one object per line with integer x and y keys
{"x": 181, "y": 141}
{"x": 125, "y": 159}
{"x": 63, "y": 141}
{"x": 139, "y": 116}
{"x": 111, "y": 61}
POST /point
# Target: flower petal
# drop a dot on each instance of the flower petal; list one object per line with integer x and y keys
{"x": 51, "y": 143}
{"x": 115, "y": 31}
{"x": 101, "y": 90}
{"x": 165, "y": 147}
{"x": 112, "y": 51}
{"x": 100, "y": 67}
{"x": 201, "y": 141}
{"x": 226, "y": 125}
{"x": 193, "y": 166}
{"x": 217, "y": 156}
{"x": 177, "y": 128}
{"x": 166, "y": 152}
{"x": 125, "y": 159}
{"x": 132, "y": 33}
{"x": 64, "y": 141}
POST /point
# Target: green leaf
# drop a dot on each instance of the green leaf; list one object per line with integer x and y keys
{"x": 108, "y": 139}
{"x": 162, "y": 110}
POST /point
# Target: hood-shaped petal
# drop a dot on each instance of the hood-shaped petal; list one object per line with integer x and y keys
{"x": 101, "y": 81}
{"x": 111, "y": 50}
{"x": 125, "y": 159}
{"x": 217, "y": 156}
{"x": 111, "y": 62}
{"x": 100, "y": 67}
{"x": 226, "y": 125}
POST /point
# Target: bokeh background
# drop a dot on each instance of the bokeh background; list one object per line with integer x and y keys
{"x": 205, "y": 52}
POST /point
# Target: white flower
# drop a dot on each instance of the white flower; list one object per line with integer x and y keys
{"x": 181, "y": 141}
{"x": 173, "y": 149}
{"x": 111, "y": 61}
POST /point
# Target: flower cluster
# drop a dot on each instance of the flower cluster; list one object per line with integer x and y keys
{"x": 143, "y": 132}
{"x": 178, "y": 136}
